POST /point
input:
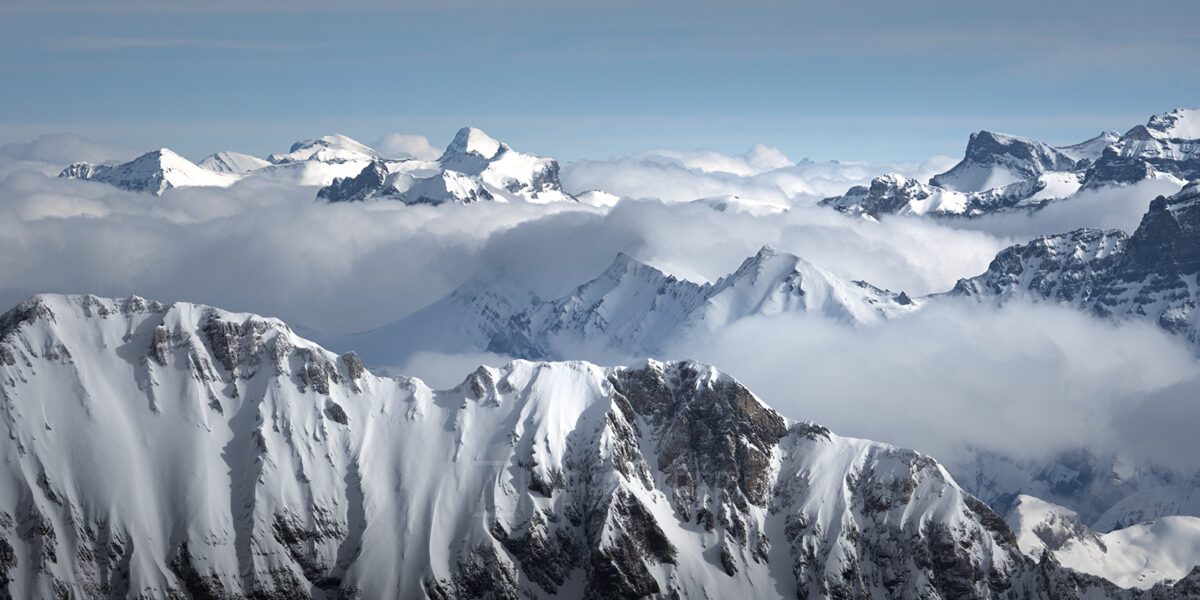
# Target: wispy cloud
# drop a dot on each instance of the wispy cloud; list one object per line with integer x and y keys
{"x": 102, "y": 42}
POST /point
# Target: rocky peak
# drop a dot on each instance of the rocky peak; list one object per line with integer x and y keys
{"x": 1016, "y": 158}
{"x": 1168, "y": 238}
{"x": 369, "y": 182}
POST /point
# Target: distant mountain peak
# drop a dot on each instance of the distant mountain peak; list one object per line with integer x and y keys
{"x": 470, "y": 140}
{"x": 333, "y": 148}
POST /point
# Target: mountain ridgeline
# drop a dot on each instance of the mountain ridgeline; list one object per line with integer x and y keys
{"x": 473, "y": 168}
{"x": 1002, "y": 172}
{"x": 180, "y": 450}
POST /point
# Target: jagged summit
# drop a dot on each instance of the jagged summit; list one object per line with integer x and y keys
{"x": 181, "y": 450}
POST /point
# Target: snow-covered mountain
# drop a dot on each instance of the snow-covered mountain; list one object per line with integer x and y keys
{"x": 1002, "y": 172}
{"x": 153, "y": 172}
{"x": 631, "y": 309}
{"x": 180, "y": 450}
{"x": 995, "y": 160}
{"x": 1167, "y": 146}
{"x": 473, "y": 168}
{"x": 335, "y": 148}
{"x": 1140, "y": 555}
{"x": 233, "y": 162}
{"x": 1151, "y": 274}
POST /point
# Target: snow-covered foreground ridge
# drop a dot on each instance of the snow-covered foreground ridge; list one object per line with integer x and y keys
{"x": 158, "y": 450}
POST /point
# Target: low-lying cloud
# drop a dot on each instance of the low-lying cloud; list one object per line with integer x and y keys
{"x": 1026, "y": 380}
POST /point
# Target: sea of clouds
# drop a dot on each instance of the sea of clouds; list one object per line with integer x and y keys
{"x": 1025, "y": 380}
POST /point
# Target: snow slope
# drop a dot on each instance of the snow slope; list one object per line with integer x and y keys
{"x": 1139, "y": 555}
{"x": 335, "y": 148}
{"x": 233, "y": 162}
{"x": 180, "y": 450}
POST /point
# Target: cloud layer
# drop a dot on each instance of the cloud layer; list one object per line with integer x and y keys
{"x": 1026, "y": 380}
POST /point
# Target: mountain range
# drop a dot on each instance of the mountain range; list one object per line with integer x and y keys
{"x": 473, "y": 168}
{"x": 180, "y": 450}
{"x": 1002, "y": 172}
{"x": 1151, "y": 274}
{"x": 633, "y": 309}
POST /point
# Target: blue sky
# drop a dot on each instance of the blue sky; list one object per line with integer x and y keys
{"x": 850, "y": 80}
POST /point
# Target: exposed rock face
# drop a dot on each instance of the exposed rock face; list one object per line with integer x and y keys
{"x": 357, "y": 188}
{"x": 474, "y": 168}
{"x": 538, "y": 479}
{"x": 1151, "y": 274}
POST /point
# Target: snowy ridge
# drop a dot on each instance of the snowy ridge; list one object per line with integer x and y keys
{"x": 474, "y": 168}
{"x": 1140, "y": 555}
{"x": 631, "y": 309}
{"x": 153, "y": 172}
{"x": 253, "y": 462}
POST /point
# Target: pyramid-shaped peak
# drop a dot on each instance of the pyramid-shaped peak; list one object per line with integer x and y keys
{"x": 470, "y": 140}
